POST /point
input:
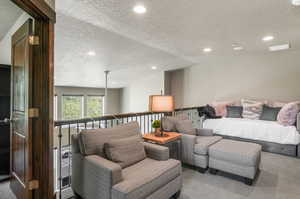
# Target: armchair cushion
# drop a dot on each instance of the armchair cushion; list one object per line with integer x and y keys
{"x": 126, "y": 151}
{"x": 145, "y": 177}
{"x": 204, "y": 142}
{"x": 92, "y": 141}
{"x": 186, "y": 127}
{"x": 156, "y": 152}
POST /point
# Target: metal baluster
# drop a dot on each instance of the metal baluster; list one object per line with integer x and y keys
{"x": 93, "y": 124}
{"x": 77, "y": 125}
{"x": 144, "y": 124}
{"x": 60, "y": 166}
{"x": 105, "y": 123}
{"x": 69, "y": 152}
{"x": 140, "y": 123}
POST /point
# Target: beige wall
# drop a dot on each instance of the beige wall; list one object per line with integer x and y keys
{"x": 135, "y": 97}
{"x": 113, "y": 105}
{"x": 5, "y": 43}
{"x": 272, "y": 76}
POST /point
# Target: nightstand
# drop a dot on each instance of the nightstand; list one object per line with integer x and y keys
{"x": 172, "y": 140}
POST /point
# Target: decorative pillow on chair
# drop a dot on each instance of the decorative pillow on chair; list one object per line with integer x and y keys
{"x": 234, "y": 111}
{"x": 269, "y": 113}
{"x": 185, "y": 127}
{"x": 169, "y": 122}
{"x": 287, "y": 116}
{"x": 126, "y": 151}
{"x": 252, "y": 109}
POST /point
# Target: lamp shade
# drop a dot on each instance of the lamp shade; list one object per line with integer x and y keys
{"x": 161, "y": 103}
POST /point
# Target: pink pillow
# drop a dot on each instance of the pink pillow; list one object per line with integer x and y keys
{"x": 220, "y": 107}
{"x": 276, "y": 104}
{"x": 288, "y": 114}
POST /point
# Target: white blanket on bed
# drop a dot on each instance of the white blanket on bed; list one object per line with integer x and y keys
{"x": 268, "y": 131}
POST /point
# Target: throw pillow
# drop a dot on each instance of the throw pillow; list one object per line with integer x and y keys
{"x": 185, "y": 127}
{"x": 208, "y": 112}
{"x": 269, "y": 113}
{"x": 220, "y": 107}
{"x": 126, "y": 151}
{"x": 252, "y": 109}
{"x": 276, "y": 104}
{"x": 234, "y": 111}
{"x": 287, "y": 116}
{"x": 169, "y": 122}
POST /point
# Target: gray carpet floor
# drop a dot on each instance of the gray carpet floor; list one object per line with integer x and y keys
{"x": 279, "y": 179}
{"x": 5, "y": 192}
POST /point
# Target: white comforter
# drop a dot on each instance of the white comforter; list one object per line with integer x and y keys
{"x": 254, "y": 129}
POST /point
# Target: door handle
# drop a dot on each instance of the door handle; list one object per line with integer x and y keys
{"x": 5, "y": 121}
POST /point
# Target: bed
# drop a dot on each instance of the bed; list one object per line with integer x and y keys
{"x": 271, "y": 135}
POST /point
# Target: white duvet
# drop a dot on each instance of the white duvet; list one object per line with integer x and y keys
{"x": 254, "y": 129}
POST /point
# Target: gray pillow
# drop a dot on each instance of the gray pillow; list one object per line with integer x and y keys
{"x": 126, "y": 151}
{"x": 185, "y": 127}
{"x": 169, "y": 122}
{"x": 92, "y": 140}
{"x": 234, "y": 111}
{"x": 269, "y": 113}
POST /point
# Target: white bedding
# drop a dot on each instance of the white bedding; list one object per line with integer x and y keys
{"x": 254, "y": 129}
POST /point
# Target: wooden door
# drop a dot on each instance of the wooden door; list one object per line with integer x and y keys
{"x": 21, "y": 130}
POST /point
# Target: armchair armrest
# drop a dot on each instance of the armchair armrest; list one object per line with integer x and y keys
{"x": 156, "y": 152}
{"x": 187, "y": 148}
{"x": 97, "y": 176}
{"x": 105, "y": 168}
{"x": 204, "y": 132}
{"x": 298, "y": 122}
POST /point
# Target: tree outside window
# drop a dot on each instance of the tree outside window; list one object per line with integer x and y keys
{"x": 72, "y": 107}
{"x": 94, "y": 106}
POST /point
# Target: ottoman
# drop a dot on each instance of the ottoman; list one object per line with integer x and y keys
{"x": 239, "y": 158}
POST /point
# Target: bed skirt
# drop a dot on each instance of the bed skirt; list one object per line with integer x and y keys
{"x": 283, "y": 149}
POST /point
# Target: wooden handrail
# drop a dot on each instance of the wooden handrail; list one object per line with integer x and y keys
{"x": 113, "y": 117}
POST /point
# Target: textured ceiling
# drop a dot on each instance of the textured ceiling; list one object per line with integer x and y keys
{"x": 171, "y": 34}
{"x": 9, "y": 13}
{"x": 125, "y": 58}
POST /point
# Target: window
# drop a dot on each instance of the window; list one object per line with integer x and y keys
{"x": 94, "y": 106}
{"x": 72, "y": 107}
{"x": 55, "y": 107}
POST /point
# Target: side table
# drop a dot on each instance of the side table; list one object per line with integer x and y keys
{"x": 172, "y": 140}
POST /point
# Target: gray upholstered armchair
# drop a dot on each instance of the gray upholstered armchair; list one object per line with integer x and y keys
{"x": 96, "y": 177}
{"x": 194, "y": 142}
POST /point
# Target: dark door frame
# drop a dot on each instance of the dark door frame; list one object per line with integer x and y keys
{"x": 43, "y": 83}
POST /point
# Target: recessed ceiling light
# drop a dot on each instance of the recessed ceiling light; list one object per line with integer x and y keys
{"x": 237, "y": 48}
{"x": 139, "y": 9}
{"x": 207, "y": 50}
{"x": 296, "y": 2}
{"x": 280, "y": 47}
{"x": 91, "y": 53}
{"x": 154, "y": 67}
{"x": 268, "y": 38}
